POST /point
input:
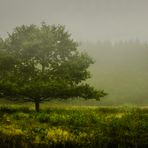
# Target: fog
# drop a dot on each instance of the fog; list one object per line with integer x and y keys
{"x": 113, "y": 32}
{"x": 87, "y": 20}
{"x": 121, "y": 69}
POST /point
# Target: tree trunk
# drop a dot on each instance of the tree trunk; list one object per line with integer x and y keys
{"x": 43, "y": 66}
{"x": 43, "y": 69}
{"x": 37, "y": 106}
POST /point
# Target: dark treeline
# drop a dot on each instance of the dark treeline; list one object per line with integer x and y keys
{"x": 121, "y": 68}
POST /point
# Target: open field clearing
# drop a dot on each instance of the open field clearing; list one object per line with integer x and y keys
{"x": 73, "y": 126}
{"x": 74, "y": 74}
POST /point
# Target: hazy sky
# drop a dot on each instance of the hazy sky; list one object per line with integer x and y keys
{"x": 85, "y": 19}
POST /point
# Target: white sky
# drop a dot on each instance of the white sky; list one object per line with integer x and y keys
{"x": 87, "y": 20}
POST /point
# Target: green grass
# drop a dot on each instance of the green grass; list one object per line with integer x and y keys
{"x": 73, "y": 126}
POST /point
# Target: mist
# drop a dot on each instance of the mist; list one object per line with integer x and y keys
{"x": 73, "y": 73}
{"x": 87, "y": 20}
{"x": 121, "y": 69}
{"x": 113, "y": 32}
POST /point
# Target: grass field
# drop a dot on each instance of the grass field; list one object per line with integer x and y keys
{"x": 68, "y": 125}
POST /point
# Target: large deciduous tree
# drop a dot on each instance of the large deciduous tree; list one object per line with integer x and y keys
{"x": 39, "y": 63}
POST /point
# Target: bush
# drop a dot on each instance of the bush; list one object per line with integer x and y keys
{"x": 74, "y": 127}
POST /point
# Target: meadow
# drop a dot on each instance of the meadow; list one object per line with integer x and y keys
{"x": 71, "y": 125}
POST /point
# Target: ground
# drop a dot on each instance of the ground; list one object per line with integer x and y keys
{"x": 61, "y": 124}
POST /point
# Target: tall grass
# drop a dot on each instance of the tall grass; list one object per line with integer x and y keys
{"x": 73, "y": 127}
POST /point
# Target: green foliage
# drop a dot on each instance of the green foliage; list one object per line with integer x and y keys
{"x": 39, "y": 63}
{"x": 74, "y": 127}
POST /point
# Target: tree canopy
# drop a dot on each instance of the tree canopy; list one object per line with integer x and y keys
{"x": 42, "y": 62}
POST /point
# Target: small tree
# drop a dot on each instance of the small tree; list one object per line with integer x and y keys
{"x": 42, "y": 63}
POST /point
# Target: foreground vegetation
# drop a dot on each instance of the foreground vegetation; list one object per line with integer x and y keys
{"x": 73, "y": 126}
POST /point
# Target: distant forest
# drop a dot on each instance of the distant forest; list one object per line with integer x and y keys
{"x": 121, "y": 68}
